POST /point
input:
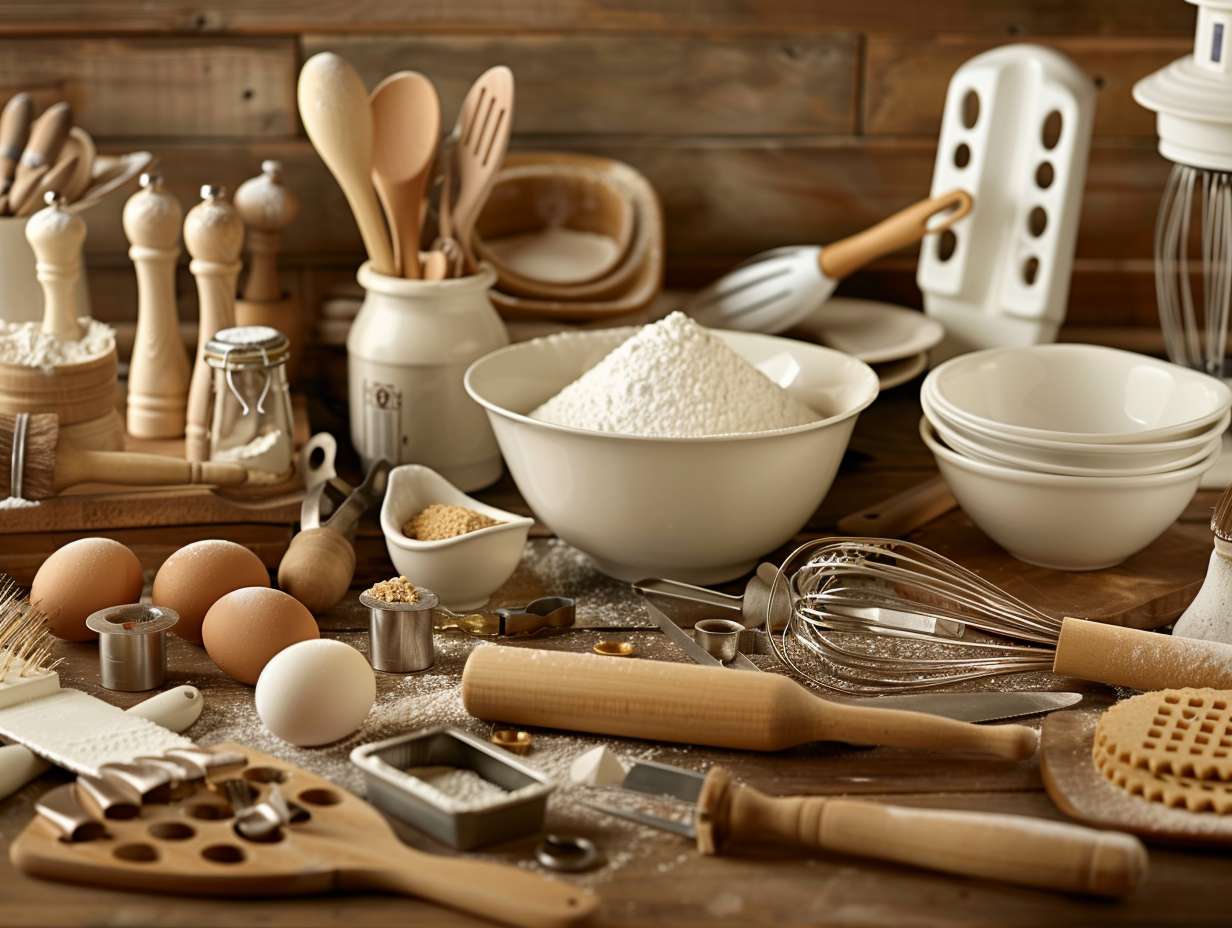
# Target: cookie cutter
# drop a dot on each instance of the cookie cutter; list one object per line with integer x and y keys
{"x": 132, "y": 645}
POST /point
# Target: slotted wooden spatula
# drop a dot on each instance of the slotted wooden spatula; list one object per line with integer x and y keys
{"x": 191, "y": 847}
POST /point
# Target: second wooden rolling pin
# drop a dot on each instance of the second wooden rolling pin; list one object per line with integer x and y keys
{"x": 689, "y": 704}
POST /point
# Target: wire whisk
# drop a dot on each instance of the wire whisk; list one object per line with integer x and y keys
{"x": 886, "y": 616}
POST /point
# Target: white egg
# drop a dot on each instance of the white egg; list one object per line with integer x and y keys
{"x": 315, "y": 692}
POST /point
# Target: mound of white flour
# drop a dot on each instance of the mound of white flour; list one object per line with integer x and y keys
{"x": 674, "y": 379}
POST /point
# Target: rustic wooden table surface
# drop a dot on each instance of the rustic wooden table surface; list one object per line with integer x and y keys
{"x": 658, "y": 879}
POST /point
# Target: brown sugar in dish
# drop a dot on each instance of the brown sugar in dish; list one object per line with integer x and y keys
{"x": 440, "y": 521}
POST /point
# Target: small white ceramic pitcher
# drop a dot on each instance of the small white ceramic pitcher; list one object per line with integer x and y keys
{"x": 406, "y": 353}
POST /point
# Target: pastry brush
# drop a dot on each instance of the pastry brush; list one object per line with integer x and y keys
{"x": 33, "y": 467}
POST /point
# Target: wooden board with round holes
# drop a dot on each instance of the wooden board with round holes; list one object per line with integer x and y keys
{"x": 189, "y": 847}
{"x": 1079, "y": 790}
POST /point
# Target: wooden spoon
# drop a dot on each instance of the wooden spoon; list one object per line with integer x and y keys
{"x": 47, "y": 137}
{"x": 333, "y": 103}
{"x": 406, "y": 120}
{"x": 483, "y": 128}
{"x": 81, "y": 145}
{"x": 14, "y": 132}
{"x": 54, "y": 180}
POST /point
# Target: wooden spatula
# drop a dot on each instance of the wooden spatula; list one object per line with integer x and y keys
{"x": 191, "y": 848}
{"x": 14, "y": 131}
{"x": 333, "y": 103}
{"x": 482, "y": 130}
{"x": 406, "y": 120}
{"x": 47, "y": 137}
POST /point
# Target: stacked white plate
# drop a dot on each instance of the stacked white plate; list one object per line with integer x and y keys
{"x": 1072, "y": 456}
{"x": 893, "y": 340}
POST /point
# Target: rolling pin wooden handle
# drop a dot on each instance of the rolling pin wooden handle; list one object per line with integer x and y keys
{"x": 896, "y": 728}
{"x": 134, "y": 469}
{"x": 902, "y": 513}
{"x": 1009, "y": 848}
{"x": 493, "y": 891}
{"x": 903, "y": 228}
{"x": 317, "y": 568}
{"x": 1138, "y": 659}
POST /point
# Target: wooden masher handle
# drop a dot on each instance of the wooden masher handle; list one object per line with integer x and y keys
{"x": 903, "y": 228}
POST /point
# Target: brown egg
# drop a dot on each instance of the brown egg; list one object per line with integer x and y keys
{"x": 198, "y": 575}
{"x": 82, "y": 577}
{"x": 247, "y": 627}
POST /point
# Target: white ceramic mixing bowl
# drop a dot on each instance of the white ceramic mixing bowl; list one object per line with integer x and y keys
{"x": 1067, "y": 523}
{"x": 697, "y": 509}
{"x": 1079, "y": 393}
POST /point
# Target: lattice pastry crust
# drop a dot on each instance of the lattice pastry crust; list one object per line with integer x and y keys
{"x": 1184, "y": 733}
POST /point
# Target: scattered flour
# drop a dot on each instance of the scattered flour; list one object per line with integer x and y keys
{"x": 674, "y": 379}
{"x": 459, "y": 789}
{"x": 26, "y": 344}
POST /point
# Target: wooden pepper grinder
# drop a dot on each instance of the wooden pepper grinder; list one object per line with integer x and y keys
{"x": 267, "y": 207}
{"x": 56, "y": 235}
{"x": 214, "y": 235}
{"x": 158, "y": 371}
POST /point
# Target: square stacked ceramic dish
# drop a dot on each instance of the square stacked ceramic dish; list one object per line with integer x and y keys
{"x": 1072, "y": 456}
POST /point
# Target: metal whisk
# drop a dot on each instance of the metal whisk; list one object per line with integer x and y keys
{"x": 1195, "y": 328}
{"x": 878, "y": 615}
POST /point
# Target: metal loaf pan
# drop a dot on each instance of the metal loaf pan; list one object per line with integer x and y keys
{"x": 412, "y": 801}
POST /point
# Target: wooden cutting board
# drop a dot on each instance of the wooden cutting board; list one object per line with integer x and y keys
{"x": 1082, "y": 793}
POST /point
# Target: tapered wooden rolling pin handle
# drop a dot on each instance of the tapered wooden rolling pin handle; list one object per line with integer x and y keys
{"x": 56, "y": 236}
{"x": 214, "y": 235}
{"x": 898, "y": 231}
{"x": 317, "y": 568}
{"x": 126, "y": 468}
{"x": 1009, "y": 848}
{"x": 689, "y": 704}
{"x": 491, "y": 891}
{"x": 1140, "y": 660}
{"x": 902, "y": 513}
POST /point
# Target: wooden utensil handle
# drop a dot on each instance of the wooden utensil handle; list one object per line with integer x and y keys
{"x": 1138, "y": 659}
{"x": 902, "y": 229}
{"x": 901, "y": 729}
{"x": 496, "y": 891}
{"x": 1009, "y": 848}
{"x": 902, "y": 513}
{"x": 133, "y": 469}
{"x": 317, "y": 568}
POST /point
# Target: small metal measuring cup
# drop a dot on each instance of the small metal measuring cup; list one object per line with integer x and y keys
{"x": 719, "y": 637}
{"x": 132, "y": 645}
{"x": 400, "y": 634}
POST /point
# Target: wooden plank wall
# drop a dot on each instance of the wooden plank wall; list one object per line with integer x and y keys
{"x": 760, "y": 122}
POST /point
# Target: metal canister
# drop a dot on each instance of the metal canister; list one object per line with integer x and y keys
{"x": 400, "y": 634}
{"x": 132, "y": 645}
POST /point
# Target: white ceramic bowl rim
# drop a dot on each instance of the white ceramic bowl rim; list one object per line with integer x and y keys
{"x": 395, "y": 535}
{"x": 867, "y": 374}
{"x": 936, "y": 378}
{"x": 1014, "y": 475}
{"x": 1045, "y": 444}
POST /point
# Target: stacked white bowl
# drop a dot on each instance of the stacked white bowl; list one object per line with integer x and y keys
{"x": 1072, "y": 456}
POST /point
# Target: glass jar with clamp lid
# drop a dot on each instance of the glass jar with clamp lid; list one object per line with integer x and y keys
{"x": 252, "y": 421}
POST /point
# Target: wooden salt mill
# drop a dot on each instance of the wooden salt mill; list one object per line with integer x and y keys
{"x": 214, "y": 235}
{"x": 158, "y": 371}
{"x": 56, "y": 235}
{"x": 267, "y": 207}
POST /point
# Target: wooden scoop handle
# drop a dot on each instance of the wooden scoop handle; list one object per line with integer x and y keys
{"x": 1009, "y": 848}
{"x": 1138, "y": 659}
{"x": 903, "y": 228}
{"x": 496, "y": 891}
{"x": 902, "y": 513}
{"x": 317, "y": 568}
{"x": 134, "y": 469}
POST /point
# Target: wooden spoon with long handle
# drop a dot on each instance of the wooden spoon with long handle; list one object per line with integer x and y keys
{"x": 54, "y": 180}
{"x": 406, "y": 120}
{"x": 47, "y": 137}
{"x": 484, "y": 123}
{"x": 14, "y": 132}
{"x": 80, "y": 144}
{"x": 333, "y": 103}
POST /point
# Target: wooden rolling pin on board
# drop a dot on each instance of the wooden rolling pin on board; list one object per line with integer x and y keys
{"x": 214, "y": 235}
{"x": 701, "y": 705}
{"x": 158, "y": 371}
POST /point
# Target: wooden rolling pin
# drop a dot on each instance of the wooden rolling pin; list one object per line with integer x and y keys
{"x": 214, "y": 235}
{"x": 1010, "y": 848}
{"x": 689, "y": 704}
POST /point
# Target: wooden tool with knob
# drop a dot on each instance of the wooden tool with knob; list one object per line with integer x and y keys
{"x": 56, "y": 235}
{"x": 158, "y": 371}
{"x": 214, "y": 235}
{"x": 689, "y": 704}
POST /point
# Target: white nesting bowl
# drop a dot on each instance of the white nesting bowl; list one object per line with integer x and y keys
{"x": 1078, "y": 393}
{"x": 697, "y": 509}
{"x": 462, "y": 571}
{"x": 1092, "y": 464}
{"x": 1066, "y": 523}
